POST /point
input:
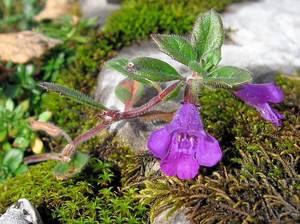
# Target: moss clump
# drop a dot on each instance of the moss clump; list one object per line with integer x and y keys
{"x": 139, "y": 18}
{"x": 258, "y": 178}
{"x": 93, "y": 196}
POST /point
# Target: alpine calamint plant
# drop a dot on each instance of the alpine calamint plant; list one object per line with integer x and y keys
{"x": 183, "y": 145}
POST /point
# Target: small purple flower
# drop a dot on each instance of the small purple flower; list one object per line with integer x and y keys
{"x": 259, "y": 96}
{"x": 183, "y": 145}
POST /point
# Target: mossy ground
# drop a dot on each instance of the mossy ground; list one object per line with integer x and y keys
{"x": 256, "y": 180}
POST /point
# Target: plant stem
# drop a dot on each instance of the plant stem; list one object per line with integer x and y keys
{"x": 109, "y": 117}
{"x": 89, "y": 134}
{"x": 191, "y": 90}
{"x": 154, "y": 101}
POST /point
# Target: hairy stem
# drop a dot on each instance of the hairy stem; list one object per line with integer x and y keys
{"x": 108, "y": 117}
{"x": 154, "y": 101}
{"x": 89, "y": 134}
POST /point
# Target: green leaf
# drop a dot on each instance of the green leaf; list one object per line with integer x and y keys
{"x": 62, "y": 169}
{"x": 155, "y": 69}
{"x": 208, "y": 33}
{"x": 211, "y": 59}
{"x": 176, "y": 47}
{"x": 123, "y": 66}
{"x": 129, "y": 92}
{"x": 22, "y": 169}
{"x": 195, "y": 66}
{"x": 79, "y": 160}
{"x": 73, "y": 94}
{"x": 45, "y": 116}
{"x": 66, "y": 170}
{"x": 9, "y": 105}
{"x": 144, "y": 69}
{"x": 23, "y": 106}
{"x": 12, "y": 159}
{"x": 21, "y": 142}
{"x": 3, "y": 135}
{"x": 229, "y": 76}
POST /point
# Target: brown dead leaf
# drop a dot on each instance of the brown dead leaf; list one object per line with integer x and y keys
{"x": 23, "y": 46}
{"x": 54, "y": 9}
{"x": 157, "y": 116}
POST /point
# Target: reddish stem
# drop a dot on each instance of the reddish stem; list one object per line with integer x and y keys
{"x": 89, "y": 134}
{"x": 142, "y": 109}
{"x": 108, "y": 118}
{"x": 189, "y": 95}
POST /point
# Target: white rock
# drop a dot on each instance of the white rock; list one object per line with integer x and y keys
{"x": 98, "y": 8}
{"x": 266, "y": 37}
{"x": 23, "y": 212}
{"x": 177, "y": 218}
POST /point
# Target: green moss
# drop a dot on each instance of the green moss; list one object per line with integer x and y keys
{"x": 258, "y": 178}
{"x": 139, "y": 18}
{"x": 92, "y": 196}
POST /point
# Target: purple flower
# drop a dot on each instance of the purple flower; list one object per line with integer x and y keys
{"x": 259, "y": 96}
{"x": 183, "y": 145}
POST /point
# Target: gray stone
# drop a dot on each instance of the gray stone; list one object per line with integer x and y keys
{"x": 23, "y": 212}
{"x": 177, "y": 218}
{"x": 99, "y": 8}
{"x": 265, "y": 38}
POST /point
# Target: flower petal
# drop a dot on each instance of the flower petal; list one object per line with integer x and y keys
{"x": 260, "y": 93}
{"x": 270, "y": 114}
{"x": 159, "y": 142}
{"x": 209, "y": 152}
{"x": 182, "y": 165}
{"x": 187, "y": 168}
{"x": 187, "y": 117}
{"x": 168, "y": 167}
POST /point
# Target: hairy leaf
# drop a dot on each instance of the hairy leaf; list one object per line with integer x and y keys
{"x": 208, "y": 34}
{"x": 123, "y": 66}
{"x": 176, "y": 47}
{"x": 144, "y": 69}
{"x": 195, "y": 66}
{"x": 211, "y": 59}
{"x": 155, "y": 69}
{"x": 229, "y": 76}
{"x": 73, "y": 94}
